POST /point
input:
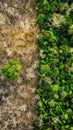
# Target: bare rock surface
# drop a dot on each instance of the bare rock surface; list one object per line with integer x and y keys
{"x": 17, "y": 41}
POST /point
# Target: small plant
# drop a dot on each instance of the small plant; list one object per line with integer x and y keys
{"x": 12, "y": 70}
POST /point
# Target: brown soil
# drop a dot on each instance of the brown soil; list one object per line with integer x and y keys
{"x": 17, "y": 41}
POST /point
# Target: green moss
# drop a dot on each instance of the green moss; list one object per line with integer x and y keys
{"x": 55, "y": 104}
{"x": 12, "y": 70}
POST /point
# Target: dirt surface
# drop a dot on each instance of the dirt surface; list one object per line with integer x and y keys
{"x": 17, "y": 41}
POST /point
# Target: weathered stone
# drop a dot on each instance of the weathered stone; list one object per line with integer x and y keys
{"x": 17, "y": 41}
{"x": 2, "y": 19}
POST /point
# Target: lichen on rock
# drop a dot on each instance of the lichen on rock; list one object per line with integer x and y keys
{"x": 17, "y": 41}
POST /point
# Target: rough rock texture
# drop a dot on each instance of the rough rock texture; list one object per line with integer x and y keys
{"x": 17, "y": 41}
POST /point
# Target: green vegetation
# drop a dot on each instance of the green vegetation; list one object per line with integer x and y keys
{"x": 12, "y": 70}
{"x": 55, "y": 44}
